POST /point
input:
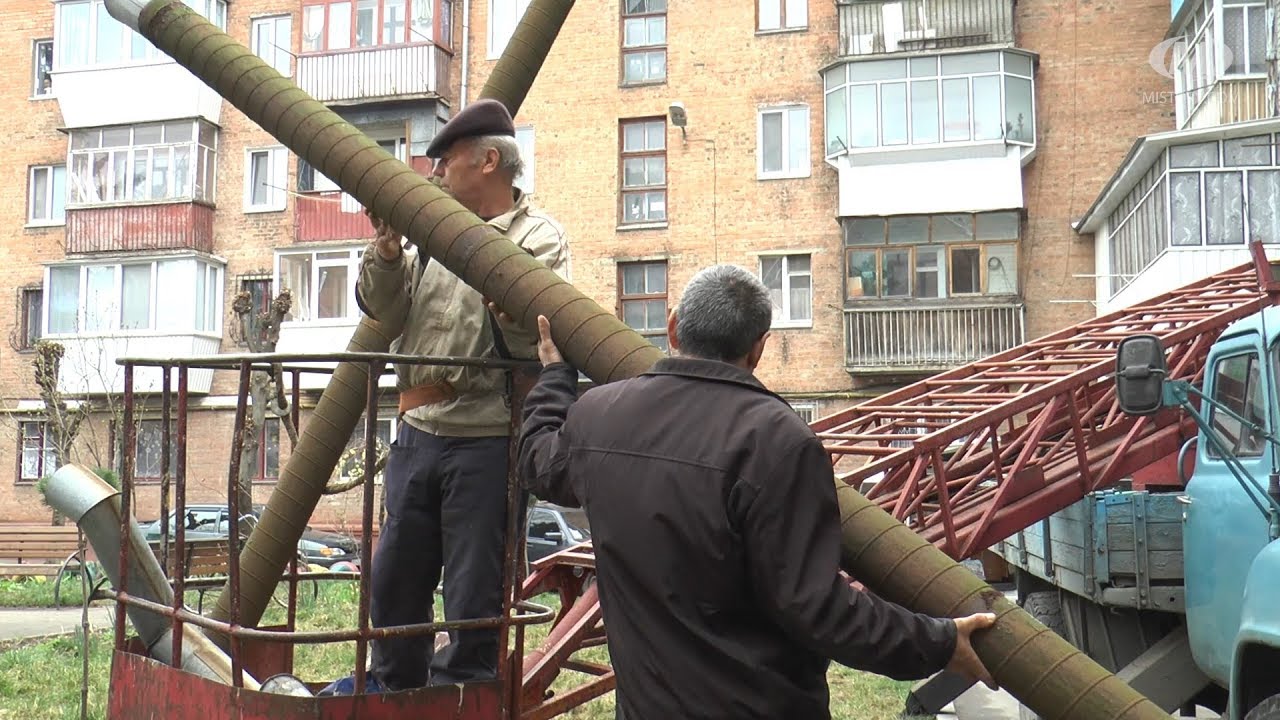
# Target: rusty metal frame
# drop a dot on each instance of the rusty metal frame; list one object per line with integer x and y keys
{"x": 973, "y": 455}
{"x": 522, "y": 683}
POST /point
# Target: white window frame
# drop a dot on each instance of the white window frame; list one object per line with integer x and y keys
{"x": 276, "y": 180}
{"x": 214, "y": 10}
{"x": 507, "y": 17}
{"x": 278, "y": 57}
{"x": 35, "y": 68}
{"x": 788, "y": 113}
{"x": 53, "y": 214}
{"x": 82, "y": 177}
{"x": 525, "y": 139}
{"x": 792, "y": 15}
{"x": 211, "y": 301}
{"x": 784, "y": 319}
{"x": 351, "y": 262}
{"x": 385, "y": 415}
{"x": 803, "y": 407}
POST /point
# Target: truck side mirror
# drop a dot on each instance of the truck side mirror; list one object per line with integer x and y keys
{"x": 1140, "y": 374}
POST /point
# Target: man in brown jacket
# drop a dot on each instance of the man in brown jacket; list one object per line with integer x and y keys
{"x": 715, "y": 526}
{"x": 446, "y": 477}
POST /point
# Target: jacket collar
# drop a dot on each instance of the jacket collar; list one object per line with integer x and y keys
{"x": 502, "y": 223}
{"x": 712, "y": 370}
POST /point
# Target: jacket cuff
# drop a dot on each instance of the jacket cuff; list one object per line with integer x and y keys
{"x": 945, "y": 636}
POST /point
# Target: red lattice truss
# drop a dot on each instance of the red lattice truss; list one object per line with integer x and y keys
{"x": 971, "y": 456}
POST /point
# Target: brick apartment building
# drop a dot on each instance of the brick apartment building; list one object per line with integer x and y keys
{"x": 904, "y": 175}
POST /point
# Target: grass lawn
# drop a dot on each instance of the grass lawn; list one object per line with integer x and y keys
{"x": 42, "y": 679}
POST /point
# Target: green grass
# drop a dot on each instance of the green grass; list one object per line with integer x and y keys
{"x": 42, "y": 679}
{"x": 30, "y": 592}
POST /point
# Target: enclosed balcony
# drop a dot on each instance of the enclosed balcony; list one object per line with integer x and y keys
{"x": 1185, "y": 205}
{"x": 876, "y": 27}
{"x": 142, "y": 187}
{"x": 106, "y": 74}
{"x": 928, "y": 292}
{"x": 163, "y": 305}
{"x": 375, "y": 50}
{"x": 1217, "y": 59}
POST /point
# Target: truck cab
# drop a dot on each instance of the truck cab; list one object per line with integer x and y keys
{"x": 1231, "y": 557}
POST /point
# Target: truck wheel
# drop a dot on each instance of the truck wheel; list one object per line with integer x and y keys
{"x": 1268, "y": 709}
{"x": 1046, "y": 607}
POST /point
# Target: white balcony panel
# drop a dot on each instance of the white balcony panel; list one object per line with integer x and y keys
{"x": 96, "y": 97}
{"x": 1230, "y": 101}
{"x": 350, "y": 76}
{"x": 964, "y": 184}
{"x": 311, "y": 338}
{"x": 1175, "y": 268}
{"x": 89, "y": 367}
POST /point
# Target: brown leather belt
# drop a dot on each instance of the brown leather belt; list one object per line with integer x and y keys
{"x": 416, "y": 397}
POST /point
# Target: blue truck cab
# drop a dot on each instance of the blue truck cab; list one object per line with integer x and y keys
{"x": 1176, "y": 587}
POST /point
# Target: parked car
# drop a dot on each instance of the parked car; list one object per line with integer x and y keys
{"x": 211, "y": 521}
{"x": 553, "y": 528}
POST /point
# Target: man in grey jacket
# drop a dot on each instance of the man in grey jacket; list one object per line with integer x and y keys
{"x": 446, "y": 477}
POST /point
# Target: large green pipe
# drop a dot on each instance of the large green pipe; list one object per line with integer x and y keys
{"x": 429, "y": 218}
{"x": 1032, "y": 662}
{"x": 1044, "y": 671}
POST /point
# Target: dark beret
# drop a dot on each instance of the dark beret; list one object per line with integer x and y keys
{"x": 482, "y": 117}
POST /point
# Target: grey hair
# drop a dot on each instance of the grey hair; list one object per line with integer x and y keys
{"x": 508, "y": 149}
{"x": 725, "y": 309}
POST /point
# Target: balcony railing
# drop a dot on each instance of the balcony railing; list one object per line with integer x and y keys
{"x": 361, "y": 75}
{"x": 910, "y": 337}
{"x": 332, "y": 215}
{"x": 123, "y": 228}
{"x": 874, "y": 27}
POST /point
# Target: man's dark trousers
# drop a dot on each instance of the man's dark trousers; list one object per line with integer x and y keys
{"x": 446, "y": 500}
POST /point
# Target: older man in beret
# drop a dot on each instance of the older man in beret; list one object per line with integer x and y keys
{"x": 446, "y": 477}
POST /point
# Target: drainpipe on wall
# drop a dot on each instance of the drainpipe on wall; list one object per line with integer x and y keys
{"x": 466, "y": 54}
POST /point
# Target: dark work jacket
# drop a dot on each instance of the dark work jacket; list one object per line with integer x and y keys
{"x": 716, "y": 532}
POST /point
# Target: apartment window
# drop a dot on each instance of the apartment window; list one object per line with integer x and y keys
{"x": 175, "y": 296}
{"x": 38, "y": 455}
{"x": 644, "y": 171}
{"x": 267, "y": 466}
{"x": 47, "y": 195}
{"x": 1244, "y": 37}
{"x": 42, "y": 68}
{"x": 782, "y": 142}
{"x": 782, "y": 14}
{"x": 931, "y": 256}
{"x": 30, "y": 308}
{"x": 931, "y": 100}
{"x": 790, "y": 287}
{"x": 138, "y": 163}
{"x": 524, "y": 138}
{"x": 642, "y": 299}
{"x": 644, "y": 41}
{"x": 504, "y": 16}
{"x": 88, "y": 36}
{"x": 265, "y": 179}
{"x": 271, "y": 38}
{"x": 806, "y": 410}
{"x": 259, "y": 290}
{"x": 322, "y": 283}
{"x": 148, "y": 448}
{"x": 370, "y": 23}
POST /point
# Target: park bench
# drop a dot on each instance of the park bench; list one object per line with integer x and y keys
{"x": 204, "y": 566}
{"x": 31, "y": 550}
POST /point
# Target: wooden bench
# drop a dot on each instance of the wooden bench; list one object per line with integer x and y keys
{"x": 30, "y": 550}
{"x": 204, "y": 566}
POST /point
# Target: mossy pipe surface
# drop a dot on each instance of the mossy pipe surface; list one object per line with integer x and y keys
{"x": 438, "y": 225}
{"x": 1032, "y": 662}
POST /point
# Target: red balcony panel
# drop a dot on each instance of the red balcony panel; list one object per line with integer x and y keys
{"x": 326, "y": 216}
{"x": 122, "y": 228}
